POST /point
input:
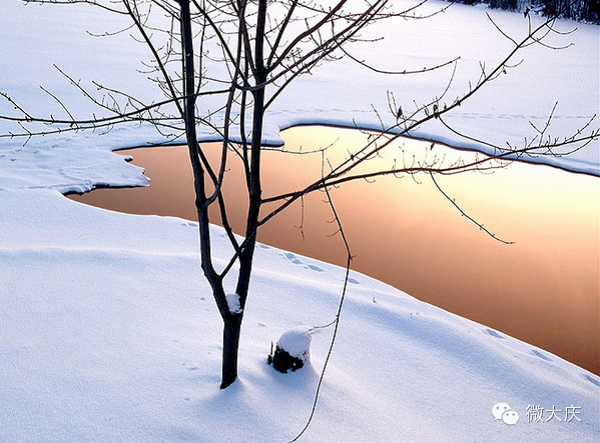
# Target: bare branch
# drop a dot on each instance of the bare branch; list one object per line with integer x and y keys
{"x": 464, "y": 214}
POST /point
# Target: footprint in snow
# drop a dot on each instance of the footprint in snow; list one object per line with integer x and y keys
{"x": 493, "y": 333}
{"x": 540, "y": 355}
{"x": 295, "y": 260}
{"x": 592, "y": 380}
{"x": 292, "y": 257}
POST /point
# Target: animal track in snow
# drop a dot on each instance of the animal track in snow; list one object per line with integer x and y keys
{"x": 540, "y": 355}
{"x": 591, "y": 379}
{"x": 295, "y": 260}
{"x": 493, "y": 333}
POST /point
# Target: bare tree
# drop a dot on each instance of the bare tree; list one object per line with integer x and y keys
{"x": 257, "y": 49}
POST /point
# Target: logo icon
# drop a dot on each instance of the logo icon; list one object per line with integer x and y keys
{"x": 502, "y": 411}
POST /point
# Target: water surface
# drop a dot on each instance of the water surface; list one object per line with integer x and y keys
{"x": 544, "y": 289}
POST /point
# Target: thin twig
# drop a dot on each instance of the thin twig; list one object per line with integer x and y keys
{"x": 464, "y": 214}
{"x": 336, "y": 321}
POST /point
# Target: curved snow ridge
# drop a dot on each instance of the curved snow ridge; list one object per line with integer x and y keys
{"x": 586, "y": 161}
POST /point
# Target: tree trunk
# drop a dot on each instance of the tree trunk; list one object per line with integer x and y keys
{"x": 232, "y": 326}
{"x": 231, "y": 322}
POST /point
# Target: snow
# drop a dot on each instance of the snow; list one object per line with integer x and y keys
{"x": 502, "y": 112}
{"x": 109, "y": 333}
{"x": 296, "y": 342}
{"x": 233, "y": 303}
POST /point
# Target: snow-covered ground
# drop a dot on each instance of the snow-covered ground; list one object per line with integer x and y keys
{"x": 34, "y": 38}
{"x": 109, "y": 334}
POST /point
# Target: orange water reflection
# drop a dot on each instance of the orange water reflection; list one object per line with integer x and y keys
{"x": 544, "y": 289}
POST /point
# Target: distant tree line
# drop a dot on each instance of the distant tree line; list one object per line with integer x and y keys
{"x": 581, "y": 10}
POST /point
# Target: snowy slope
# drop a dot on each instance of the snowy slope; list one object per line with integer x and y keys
{"x": 109, "y": 334}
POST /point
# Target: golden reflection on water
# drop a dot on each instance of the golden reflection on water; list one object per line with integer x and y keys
{"x": 544, "y": 289}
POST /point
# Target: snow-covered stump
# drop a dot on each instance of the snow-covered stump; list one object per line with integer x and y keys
{"x": 292, "y": 350}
